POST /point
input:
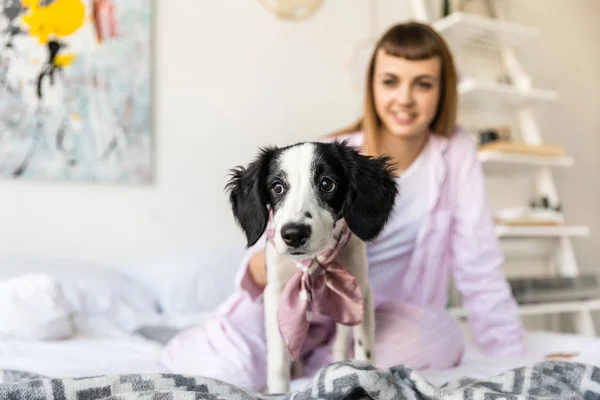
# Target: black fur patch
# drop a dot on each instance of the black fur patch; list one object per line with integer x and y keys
{"x": 249, "y": 196}
{"x": 327, "y": 165}
{"x": 367, "y": 191}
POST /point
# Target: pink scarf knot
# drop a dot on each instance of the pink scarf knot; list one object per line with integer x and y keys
{"x": 320, "y": 284}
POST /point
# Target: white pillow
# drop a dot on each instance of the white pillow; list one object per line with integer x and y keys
{"x": 91, "y": 289}
{"x": 190, "y": 282}
{"x": 33, "y": 307}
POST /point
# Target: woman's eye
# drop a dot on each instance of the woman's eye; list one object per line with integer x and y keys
{"x": 425, "y": 85}
{"x": 327, "y": 185}
{"x": 277, "y": 188}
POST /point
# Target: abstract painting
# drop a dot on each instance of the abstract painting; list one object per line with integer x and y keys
{"x": 76, "y": 90}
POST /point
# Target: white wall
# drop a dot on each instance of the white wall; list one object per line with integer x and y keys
{"x": 231, "y": 77}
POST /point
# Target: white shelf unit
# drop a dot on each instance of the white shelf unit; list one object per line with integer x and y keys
{"x": 501, "y": 162}
{"x": 492, "y": 94}
{"x": 485, "y": 35}
{"x": 464, "y": 29}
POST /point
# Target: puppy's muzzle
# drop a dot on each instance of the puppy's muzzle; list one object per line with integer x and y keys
{"x": 295, "y": 235}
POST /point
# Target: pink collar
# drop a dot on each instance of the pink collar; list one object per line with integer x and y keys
{"x": 322, "y": 284}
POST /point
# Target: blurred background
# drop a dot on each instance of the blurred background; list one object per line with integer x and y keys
{"x": 229, "y": 76}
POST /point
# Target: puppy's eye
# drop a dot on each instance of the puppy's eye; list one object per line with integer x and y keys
{"x": 327, "y": 185}
{"x": 277, "y": 188}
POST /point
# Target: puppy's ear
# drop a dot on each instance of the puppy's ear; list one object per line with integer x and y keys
{"x": 371, "y": 193}
{"x": 248, "y": 195}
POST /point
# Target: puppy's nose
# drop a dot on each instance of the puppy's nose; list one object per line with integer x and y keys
{"x": 295, "y": 235}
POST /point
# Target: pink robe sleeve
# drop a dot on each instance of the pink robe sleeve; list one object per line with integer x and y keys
{"x": 478, "y": 269}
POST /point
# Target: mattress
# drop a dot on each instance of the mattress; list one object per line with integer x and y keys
{"x": 99, "y": 348}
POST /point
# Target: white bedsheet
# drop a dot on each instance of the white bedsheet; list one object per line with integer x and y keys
{"x": 539, "y": 345}
{"x": 100, "y": 348}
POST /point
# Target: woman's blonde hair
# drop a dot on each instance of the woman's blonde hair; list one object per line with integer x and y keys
{"x": 412, "y": 41}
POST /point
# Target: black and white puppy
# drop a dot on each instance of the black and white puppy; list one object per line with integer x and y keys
{"x": 308, "y": 188}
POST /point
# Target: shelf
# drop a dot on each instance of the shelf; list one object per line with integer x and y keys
{"x": 502, "y": 162}
{"x": 544, "y": 308}
{"x": 477, "y": 31}
{"x": 486, "y": 95}
{"x": 542, "y": 231}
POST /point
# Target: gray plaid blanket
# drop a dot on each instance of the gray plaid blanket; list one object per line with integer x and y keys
{"x": 345, "y": 380}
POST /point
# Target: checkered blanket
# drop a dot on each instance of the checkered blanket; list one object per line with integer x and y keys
{"x": 345, "y": 380}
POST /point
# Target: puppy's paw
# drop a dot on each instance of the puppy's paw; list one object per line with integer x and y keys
{"x": 338, "y": 354}
{"x": 278, "y": 386}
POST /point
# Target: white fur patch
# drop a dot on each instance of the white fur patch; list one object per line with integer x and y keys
{"x": 301, "y": 198}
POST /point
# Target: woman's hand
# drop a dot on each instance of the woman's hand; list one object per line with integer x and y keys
{"x": 258, "y": 269}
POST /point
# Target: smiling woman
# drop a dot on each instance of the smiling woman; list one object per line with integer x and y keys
{"x": 411, "y": 89}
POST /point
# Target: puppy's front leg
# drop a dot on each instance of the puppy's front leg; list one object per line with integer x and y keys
{"x": 354, "y": 257}
{"x": 340, "y": 343}
{"x": 364, "y": 333}
{"x": 278, "y": 360}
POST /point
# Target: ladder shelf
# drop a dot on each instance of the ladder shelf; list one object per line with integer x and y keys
{"x": 485, "y": 35}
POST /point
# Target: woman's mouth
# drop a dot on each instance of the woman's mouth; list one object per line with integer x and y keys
{"x": 404, "y": 118}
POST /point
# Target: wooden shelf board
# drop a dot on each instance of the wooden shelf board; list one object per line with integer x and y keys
{"x": 527, "y": 222}
{"x": 507, "y": 147}
{"x": 545, "y": 308}
{"x": 539, "y": 231}
{"x": 471, "y": 30}
{"x": 501, "y": 162}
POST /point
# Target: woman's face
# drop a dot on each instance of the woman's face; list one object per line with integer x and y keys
{"x": 406, "y": 93}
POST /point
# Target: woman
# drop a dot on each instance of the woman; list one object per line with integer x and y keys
{"x": 441, "y": 225}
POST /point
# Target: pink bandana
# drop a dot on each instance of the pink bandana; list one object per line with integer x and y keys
{"x": 321, "y": 283}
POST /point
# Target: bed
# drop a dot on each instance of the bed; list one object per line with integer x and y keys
{"x": 107, "y": 307}
{"x": 104, "y": 360}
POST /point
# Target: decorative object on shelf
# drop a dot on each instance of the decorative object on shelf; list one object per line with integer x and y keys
{"x": 504, "y": 79}
{"x": 75, "y": 90}
{"x": 492, "y": 135}
{"x": 292, "y": 10}
{"x": 543, "y": 203}
{"x": 553, "y": 289}
{"x": 452, "y": 6}
{"x": 445, "y": 8}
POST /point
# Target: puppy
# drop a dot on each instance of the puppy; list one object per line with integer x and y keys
{"x": 318, "y": 203}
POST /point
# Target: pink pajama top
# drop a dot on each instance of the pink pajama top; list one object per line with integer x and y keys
{"x": 457, "y": 237}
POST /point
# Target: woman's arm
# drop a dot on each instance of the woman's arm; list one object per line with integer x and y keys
{"x": 478, "y": 269}
{"x": 252, "y": 275}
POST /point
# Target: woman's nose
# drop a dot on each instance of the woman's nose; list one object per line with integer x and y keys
{"x": 404, "y": 95}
